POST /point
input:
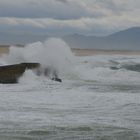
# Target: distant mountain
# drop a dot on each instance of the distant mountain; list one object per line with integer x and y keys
{"x": 124, "y": 40}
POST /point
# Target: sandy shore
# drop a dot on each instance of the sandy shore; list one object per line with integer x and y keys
{"x": 89, "y": 52}
{"x": 85, "y": 52}
{"x": 4, "y": 49}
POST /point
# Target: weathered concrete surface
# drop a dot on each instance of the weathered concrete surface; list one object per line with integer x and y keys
{"x": 11, "y": 73}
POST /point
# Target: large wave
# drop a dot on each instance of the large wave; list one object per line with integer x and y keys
{"x": 53, "y": 53}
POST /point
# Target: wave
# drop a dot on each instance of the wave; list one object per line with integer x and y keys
{"x": 96, "y": 131}
{"x": 53, "y": 54}
{"x": 131, "y": 67}
{"x": 121, "y": 70}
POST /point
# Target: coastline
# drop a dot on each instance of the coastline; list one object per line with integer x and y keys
{"x": 90, "y": 52}
{"x": 4, "y": 49}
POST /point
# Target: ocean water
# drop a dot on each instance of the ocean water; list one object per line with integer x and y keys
{"x": 99, "y": 98}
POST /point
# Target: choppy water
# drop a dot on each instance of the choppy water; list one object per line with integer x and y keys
{"x": 94, "y": 102}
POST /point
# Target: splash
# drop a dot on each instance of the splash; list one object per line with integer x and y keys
{"x": 53, "y": 53}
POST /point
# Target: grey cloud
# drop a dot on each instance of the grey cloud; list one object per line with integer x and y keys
{"x": 59, "y": 9}
{"x": 70, "y": 16}
{"x": 83, "y": 25}
{"x": 63, "y": 1}
{"x": 43, "y": 9}
{"x": 116, "y": 6}
{"x": 65, "y": 9}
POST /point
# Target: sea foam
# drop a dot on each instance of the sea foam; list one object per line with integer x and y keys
{"x": 53, "y": 53}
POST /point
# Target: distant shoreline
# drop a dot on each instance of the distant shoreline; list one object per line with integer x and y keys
{"x": 90, "y": 52}
{"x": 4, "y": 49}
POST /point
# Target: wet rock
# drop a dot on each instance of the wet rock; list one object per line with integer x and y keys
{"x": 11, "y": 73}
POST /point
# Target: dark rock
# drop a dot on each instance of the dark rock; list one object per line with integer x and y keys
{"x": 57, "y": 79}
{"x": 11, "y": 73}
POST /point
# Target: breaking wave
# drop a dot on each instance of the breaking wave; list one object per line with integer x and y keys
{"x": 96, "y": 103}
{"x": 130, "y": 66}
{"x": 53, "y": 53}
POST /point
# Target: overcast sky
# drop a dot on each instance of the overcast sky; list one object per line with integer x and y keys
{"x": 96, "y": 17}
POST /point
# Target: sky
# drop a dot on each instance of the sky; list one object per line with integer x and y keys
{"x": 59, "y": 17}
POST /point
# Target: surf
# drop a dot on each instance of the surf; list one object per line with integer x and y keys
{"x": 53, "y": 55}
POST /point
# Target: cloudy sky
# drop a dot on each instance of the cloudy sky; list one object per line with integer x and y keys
{"x": 91, "y": 17}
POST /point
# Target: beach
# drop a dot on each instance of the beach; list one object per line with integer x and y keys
{"x": 4, "y": 49}
{"x": 90, "y": 52}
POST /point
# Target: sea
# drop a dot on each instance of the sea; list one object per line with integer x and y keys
{"x": 98, "y": 98}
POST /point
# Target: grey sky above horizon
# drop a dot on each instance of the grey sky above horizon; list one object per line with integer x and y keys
{"x": 91, "y": 17}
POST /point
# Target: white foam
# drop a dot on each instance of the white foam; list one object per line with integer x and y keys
{"x": 54, "y": 53}
{"x": 35, "y": 99}
{"x": 97, "y": 68}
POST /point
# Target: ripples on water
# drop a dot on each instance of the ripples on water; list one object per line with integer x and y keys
{"x": 98, "y": 132}
{"x": 95, "y": 103}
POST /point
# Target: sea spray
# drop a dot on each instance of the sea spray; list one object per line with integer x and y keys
{"x": 53, "y": 53}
